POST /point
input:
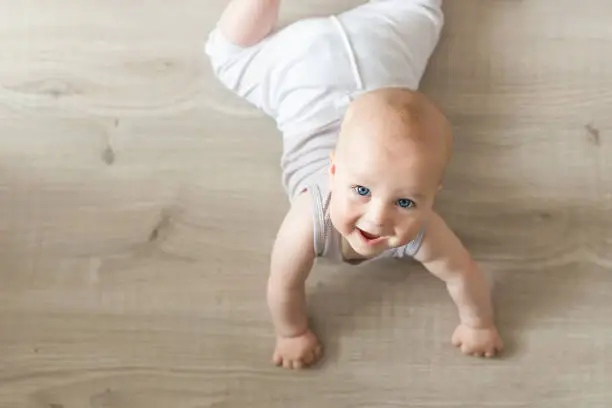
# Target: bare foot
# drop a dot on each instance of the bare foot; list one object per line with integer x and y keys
{"x": 297, "y": 352}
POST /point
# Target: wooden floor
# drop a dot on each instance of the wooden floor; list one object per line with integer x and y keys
{"x": 139, "y": 201}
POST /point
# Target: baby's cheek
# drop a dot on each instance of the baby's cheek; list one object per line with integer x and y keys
{"x": 410, "y": 232}
{"x": 340, "y": 211}
{"x": 346, "y": 223}
{"x": 339, "y": 217}
{"x": 352, "y": 214}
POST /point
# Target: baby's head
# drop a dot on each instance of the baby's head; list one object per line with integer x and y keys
{"x": 388, "y": 166}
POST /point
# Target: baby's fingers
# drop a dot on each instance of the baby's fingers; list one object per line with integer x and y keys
{"x": 309, "y": 357}
{"x": 466, "y": 349}
{"x": 456, "y": 340}
{"x": 277, "y": 360}
{"x": 312, "y": 356}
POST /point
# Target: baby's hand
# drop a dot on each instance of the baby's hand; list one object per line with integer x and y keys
{"x": 478, "y": 342}
{"x": 297, "y": 352}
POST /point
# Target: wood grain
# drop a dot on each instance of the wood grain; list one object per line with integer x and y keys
{"x": 139, "y": 201}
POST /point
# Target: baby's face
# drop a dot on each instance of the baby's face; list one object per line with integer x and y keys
{"x": 382, "y": 193}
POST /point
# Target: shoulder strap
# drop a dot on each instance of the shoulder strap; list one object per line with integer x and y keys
{"x": 318, "y": 218}
{"x": 411, "y": 248}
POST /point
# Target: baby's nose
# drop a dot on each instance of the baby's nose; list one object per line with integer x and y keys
{"x": 378, "y": 217}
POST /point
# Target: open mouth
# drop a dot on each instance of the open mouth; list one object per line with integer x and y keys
{"x": 370, "y": 239}
{"x": 367, "y": 235}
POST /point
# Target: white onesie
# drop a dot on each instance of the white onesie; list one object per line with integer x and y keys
{"x": 305, "y": 75}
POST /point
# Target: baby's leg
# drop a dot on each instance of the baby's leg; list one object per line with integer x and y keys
{"x": 240, "y": 52}
{"x": 247, "y": 22}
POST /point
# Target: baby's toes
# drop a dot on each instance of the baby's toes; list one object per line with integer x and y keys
{"x": 277, "y": 360}
{"x": 298, "y": 365}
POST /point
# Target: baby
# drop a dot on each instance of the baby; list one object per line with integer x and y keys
{"x": 364, "y": 153}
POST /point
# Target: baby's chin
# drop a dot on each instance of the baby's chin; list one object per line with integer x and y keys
{"x": 394, "y": 242}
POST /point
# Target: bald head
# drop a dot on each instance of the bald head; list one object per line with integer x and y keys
{"x": 397, "y": 120}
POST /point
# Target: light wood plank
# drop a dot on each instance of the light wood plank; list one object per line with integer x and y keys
{"x": 139, "y": 201}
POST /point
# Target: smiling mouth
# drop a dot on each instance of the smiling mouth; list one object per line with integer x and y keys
{"x": 367, "y": 235}
{"x": 370, "y": 239}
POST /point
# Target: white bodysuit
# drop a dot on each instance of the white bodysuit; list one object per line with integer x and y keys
{"x": 305, "y": 75}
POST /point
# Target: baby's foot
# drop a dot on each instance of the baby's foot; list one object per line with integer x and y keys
{"x": 297, "y": 352}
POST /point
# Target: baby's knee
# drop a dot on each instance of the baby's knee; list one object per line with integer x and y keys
{"x": 247, "y": 22}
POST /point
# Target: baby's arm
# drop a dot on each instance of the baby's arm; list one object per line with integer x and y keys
{"x": 444, "y": 256}
{"x": 247, "y": 22}
{"x": 291, "y": 263}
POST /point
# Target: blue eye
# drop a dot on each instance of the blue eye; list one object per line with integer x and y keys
{"x": 361, "y": 190}
{"x": 405, "y": 203}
